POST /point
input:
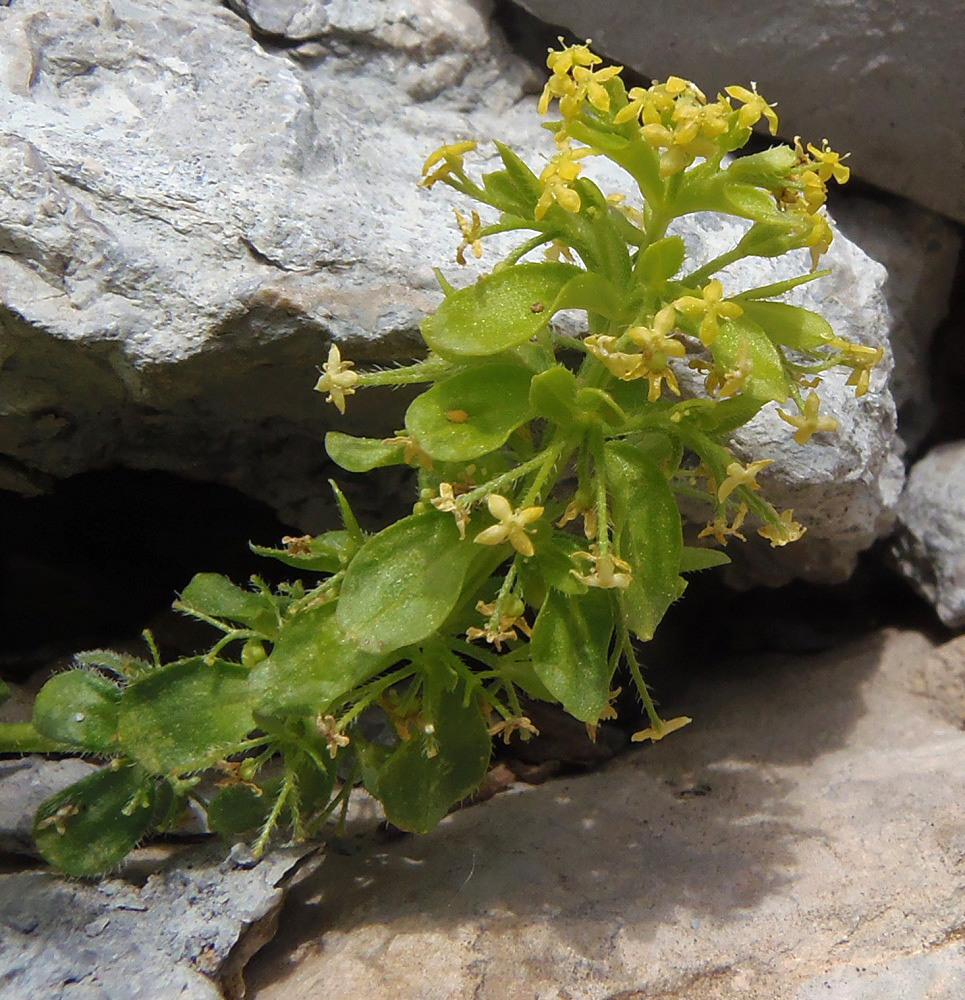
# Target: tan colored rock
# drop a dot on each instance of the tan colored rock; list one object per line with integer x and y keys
{"x": 803, "y": 838}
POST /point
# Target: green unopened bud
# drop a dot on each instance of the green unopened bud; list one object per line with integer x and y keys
{"x": 252, "y": 653}
{"x": 769, "y": 239}
{"x": 766, "y": 169}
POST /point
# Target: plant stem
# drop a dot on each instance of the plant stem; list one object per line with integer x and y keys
{"x": 21, "y": 737}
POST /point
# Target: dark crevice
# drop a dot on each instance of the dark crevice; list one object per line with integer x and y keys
{"x": 104, "y": 553}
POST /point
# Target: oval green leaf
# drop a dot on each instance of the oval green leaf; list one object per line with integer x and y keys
{"x": 359, "y": 454}
{"x": 312, "y": 663}
{"x": 417, "y": 790}
{"x": 648, "y": 528}
{"x": 89, "y": 827}
{"x": 79, "y": 708}
{"x": 185, "y": 716}
{"x": 766, "y": 381}
{"x": 570, "y": 649}
{"x": 789, "y": 326}
{"x": 498, "y": 312}
{"x": 472, "y": 413}
{"x": 404, "y": 582}
{"x": 217, "y": 597}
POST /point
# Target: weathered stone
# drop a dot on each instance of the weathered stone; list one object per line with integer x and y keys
{"x": 879, "y": 81}
{"x": 805, "y": 828}
{"x": 929, "y": 543}
{"x": 24, "y": 785}
{"x": 186, "y": 932}
{"x": 189, "y": 216}
{"x": 942, "y": 681}
{"x": 919, "y": 251}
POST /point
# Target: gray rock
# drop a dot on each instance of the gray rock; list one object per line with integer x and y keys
{"x": 919, "y": 251}
{"x": 806, "y": 827}
{"x": 24, "y": 785}
{"x": 929, "y": 543}
{"x": 885, "y": 85}
{"x": 186, "y": 932}
{"x": 189, "y": 216}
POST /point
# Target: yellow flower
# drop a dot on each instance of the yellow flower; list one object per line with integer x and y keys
{"x": 819, "y": 239}
{"x": 511, "y": 526}
{"x": 785, "y": 531}
{"x": 625, "y": 366}
{"x": 732, "y": 380}
{"x": 470, "y": 236}
{"x": 449, "y": 158}
{"x": 860, "y": 360}
{"x": 608, "y": 572}
{"x": 656, "y": 349}
{"x": 719, "y": 530}
{"x": 447, "y": 502}
{"x": 336, "y": 379}
{"x": 572, "y": 81}
{"x": 829, "y": 163}
{"x": 556, "y": 179}
{"x": 809, "y": 423}
{"x": 518, "y": 724}
{"x": 412, "y": 452}
{"x": 328, "y": 727}
{"x": 712, "y": 307}
{"x": 737, "y": 475}
{"x": 561, "y": 61}
{"x": 662, "y": 729}
{"x": 755, "y": 107}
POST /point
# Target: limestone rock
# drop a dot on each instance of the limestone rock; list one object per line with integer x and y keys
{"x": 929, "y": 543}
{"x": 183, "y": 934}
{"x": 881, "y": 82}
{"x": 24, "y": 785}
{"x": 189, "y": 215}
{"x": 805, "y": 829}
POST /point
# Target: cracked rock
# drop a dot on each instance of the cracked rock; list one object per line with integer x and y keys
{"x": 194, "y": 205}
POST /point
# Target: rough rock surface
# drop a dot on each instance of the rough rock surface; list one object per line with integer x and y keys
{"x": 184, "y": 933}
{"x": 24, "y": 785}
{"x": 803, "y": 838}
{"x": 189, "y": 216}
{"x": 879, "y": 80}
{"x": 929, "y": 543}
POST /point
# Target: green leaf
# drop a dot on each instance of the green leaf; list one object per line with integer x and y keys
{"x": 119, "y": 664}
{"x": 472, "y": 413}
{"x": 498, "y": 312}
{"x": 598, "y": 406}
{"x": 217, "y": 597}
{"x": 789, "y": 326}
{"x": 592, "y": 292}
{"x": 765, "y": 169}
{"x": 404, "y": 582}
{"x": 693, "y": 559}
{"x": 554, "y": 558}
{"x": 771, "y": 239}
{"x": 312, "y": 664}
{"x": 359, "y": 454}
{"x": 570, "y": 649}
{"x": 767, "y": 380}
{"x": 750, "y": 202}
{"x": 417, "y": 790}
{"x": 661, "y": 260}
{"x": 326, "y": 553}
{"x": 552, "y": 394}
{"x": 79, "y": 708}
{"x": 89, "y": 827}
{"x": 185, "y": 716}
{"x": 649, "y": 534}
{"x": 239, "y": 809}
